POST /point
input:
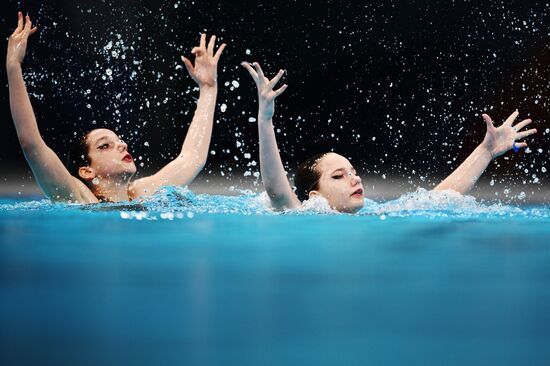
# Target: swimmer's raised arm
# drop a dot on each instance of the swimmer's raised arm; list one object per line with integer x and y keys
{"x": 273, "y": 172}
{"x": 52, "y": 176}
{"x": 192, "y": 158}
{"x": 498, "y": 140}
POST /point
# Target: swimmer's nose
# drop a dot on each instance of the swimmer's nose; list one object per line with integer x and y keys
{"x": 122, "y": 146}
{"x": 356, "y": 179}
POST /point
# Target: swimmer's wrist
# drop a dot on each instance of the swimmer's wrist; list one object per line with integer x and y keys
{"x": 205, "y": 87}
{"x": 486, "y": 151}
{"x": 265, "y": 116}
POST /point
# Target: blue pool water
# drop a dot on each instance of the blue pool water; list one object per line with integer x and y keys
{"x": 210, "y": 280}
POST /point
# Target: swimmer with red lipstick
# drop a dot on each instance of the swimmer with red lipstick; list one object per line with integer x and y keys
{"x": 332, "y": 176}
{"x": 99, "y": 166}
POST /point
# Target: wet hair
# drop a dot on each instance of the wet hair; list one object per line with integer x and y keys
{"x": 307, "y": 176}
{"x": 78, "y": 156}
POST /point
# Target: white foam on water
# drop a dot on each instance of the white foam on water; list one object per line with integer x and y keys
{"x": 173, "y": 203}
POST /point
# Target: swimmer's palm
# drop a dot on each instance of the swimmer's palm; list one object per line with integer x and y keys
{"x": 205, "y": 71}
{"x": 265, "y": 91}
{"x": 17, "y": 44}
{"x": 266, "y": 94}
{"x": 499, "y": 140}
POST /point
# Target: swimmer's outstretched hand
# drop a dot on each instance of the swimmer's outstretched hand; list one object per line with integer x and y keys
{"x": 266, "y": 94}
{"x": 499, "y": 140}
{"x": 206, "y": 62}
{"x": 17, "y": 44}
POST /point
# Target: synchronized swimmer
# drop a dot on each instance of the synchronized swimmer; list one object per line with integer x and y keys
{"x": 100, "y": 168}
{"x": 332, "y": 176}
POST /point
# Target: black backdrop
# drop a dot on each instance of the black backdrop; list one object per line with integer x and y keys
{"x": 397, "y": 86}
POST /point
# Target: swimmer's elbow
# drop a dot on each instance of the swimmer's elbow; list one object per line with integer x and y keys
{"x": 29, "y": 139}
{"x": 196, "y": 166}
{"x": 276, "y": 196}
{"x": 30, "y": 145}
{"x": 192, "y": 161}
{"x": 283, "y": 203}
{"x": 272, "y": 193}
{"x": 26, "y": 145}
{"x": 182, "y": 171}
{"x": 201, "y": 163}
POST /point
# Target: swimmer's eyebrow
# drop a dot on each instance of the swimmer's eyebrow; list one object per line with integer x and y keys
{"x": 101, "y": 139}
{"x": 344, "y": 169}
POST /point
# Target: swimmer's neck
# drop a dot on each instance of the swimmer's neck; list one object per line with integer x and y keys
{"x": 111, "y": 190}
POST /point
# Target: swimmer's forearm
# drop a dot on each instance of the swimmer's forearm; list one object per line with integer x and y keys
{"x": 463, "y": 179}
{"x": 197, "y": 139}
{"x": 21, "y": 108}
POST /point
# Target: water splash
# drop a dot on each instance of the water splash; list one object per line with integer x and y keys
{"x": 171, "y": 203}
{"x": 445, "y": 203}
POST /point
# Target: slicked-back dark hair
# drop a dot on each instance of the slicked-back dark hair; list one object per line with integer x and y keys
{"x": 78, "y": 156}
{"x": 307, "y": 176}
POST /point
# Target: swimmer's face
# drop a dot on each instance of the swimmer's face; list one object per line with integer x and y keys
{"x": 339, "y": 184}
{"x": 108, "y": 155}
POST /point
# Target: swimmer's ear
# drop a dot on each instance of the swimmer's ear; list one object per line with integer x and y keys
{"x": 313, "y": 194}
{"x": 87, "y": 173}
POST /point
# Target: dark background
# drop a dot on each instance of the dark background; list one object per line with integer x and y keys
{"x": 397, "y": 86}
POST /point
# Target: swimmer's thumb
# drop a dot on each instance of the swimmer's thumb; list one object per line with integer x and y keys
{"x": 188, "y": 65}
{"x": 488, "y": 121}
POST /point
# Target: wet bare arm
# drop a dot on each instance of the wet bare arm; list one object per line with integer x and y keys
{"x": 192, "y": 158}
{"x": 497, "y": 141}
{"x": 52, "y": 176}
{"x": 463, "y": 178}
{"x": 273, "y": 173}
